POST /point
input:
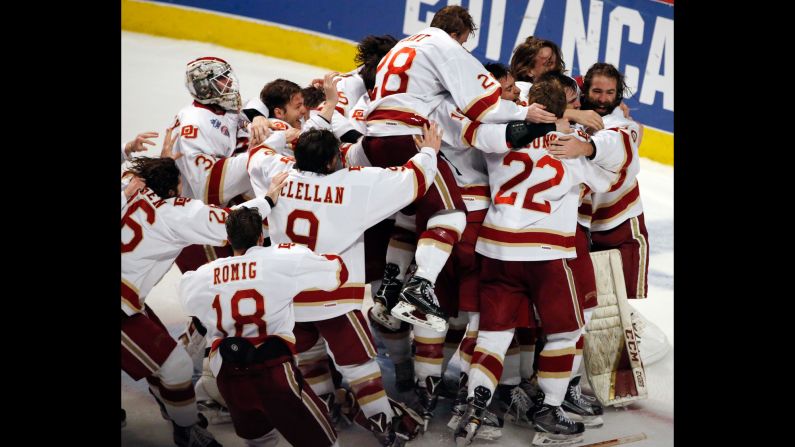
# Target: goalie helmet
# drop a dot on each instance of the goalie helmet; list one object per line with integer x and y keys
{"x": 210, "y": 80}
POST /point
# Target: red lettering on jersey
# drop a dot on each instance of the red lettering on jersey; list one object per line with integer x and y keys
{"x": 208, "y": 162}
{"x": 181, "y": 201}
{"x": 416, "y": 37}
{"x": 317, "y": 194}
{"x": 485, "y": 80}
{"x": 160, "y": 203}
{"x": 340, "y": 191}
{"x": 138, "y": 231}
{"x": 287, "y": 245}
{"x": 189, "y": 131}
{"x": 328, "y": 196}
{"x": 235, "y": 272}
{"x": 216, "y": 275}
{"x": 298, "y": 191}
{"x": 399, "y": 71}
{"x": 309, "y": 239}
{"x": 225, "y": 273}
{"x": 290, "y": 190}
{"x": 220, "y": 216}
{"x": 342, "y": 99}
{"x": 355, "y": 168}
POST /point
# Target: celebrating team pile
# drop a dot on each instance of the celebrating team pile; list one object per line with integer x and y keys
{"x": 492, "y": 213}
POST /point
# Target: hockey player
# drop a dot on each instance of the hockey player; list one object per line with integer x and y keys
{"x": 328, "y": 211}
{"x": 526, "y": 238}
{"x": 156, "y": 224}
{"x": 536, "y": 56}
{"x": 617, "y": 215}
{"x": 246, "y": 302}
{"x": 212, "y": 134}
{"x": 411, "y": 81}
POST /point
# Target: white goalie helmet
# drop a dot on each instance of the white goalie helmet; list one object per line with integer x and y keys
{"x": 210, "y": 80}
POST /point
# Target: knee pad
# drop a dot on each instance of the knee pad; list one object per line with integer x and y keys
{"x": 178, "y": 367}
{"x": 453, "y": 220}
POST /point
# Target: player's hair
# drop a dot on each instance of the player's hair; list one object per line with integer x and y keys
{"x": 315, "y": 150}
{"x": 277, "y": 94}
{"x": 608, "y": 71}
{"x": 524, "y": 55}
{"x": 565, "y": 80}
{"x": 243, "y": 227}
{"x": 498, "y": 70}
{"x": 160, "y": 174}
{"x": 369, "y": 53}
{"x": 454, "y": 19}
{"x": 313, "y": 96}
{"x": 550, "y": 94}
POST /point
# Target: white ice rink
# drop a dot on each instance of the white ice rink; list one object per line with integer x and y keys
{"x": 153, "y": 91}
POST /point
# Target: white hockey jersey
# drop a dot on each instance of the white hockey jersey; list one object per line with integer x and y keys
{"x": 251, "y": 295}
{"x": 606, "y": 210}
{"x": 208, "y": 138}
{"x": 533, "y": 215}
{"x": 357, "y": 113}
{"x": 350, "y": 88}
{"x": 524, "y": 91}
{"x": 329, "y": 213}
{"x": 155, "y": 230}
{"x": 414, "y": 76}
{"x": 463, "y": 143}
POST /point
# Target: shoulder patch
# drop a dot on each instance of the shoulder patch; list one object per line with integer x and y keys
{"x": 189, "y": 131}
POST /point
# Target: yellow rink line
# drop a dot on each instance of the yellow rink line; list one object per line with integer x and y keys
{"x": 238, "y": 33}
{"x": 245, "y": 34}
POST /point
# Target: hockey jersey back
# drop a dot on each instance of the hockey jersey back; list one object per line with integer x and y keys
{"x": 533, "y": 214}
{"x": 606, "y": 210}
{"x": 329, "y": 213}
{"x": 251, "y": 295}
{"x": 414, "y": 76}
{"x": 155, "y": 230}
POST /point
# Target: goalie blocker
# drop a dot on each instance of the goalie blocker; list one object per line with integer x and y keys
{"x": 611, "y": 355}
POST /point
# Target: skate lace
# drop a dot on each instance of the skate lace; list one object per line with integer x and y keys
{"x": 576, "y": 395}
{"x": 200, "y": 437}
{"x": 520, "y": 400}
{"x": 563, "y": 417}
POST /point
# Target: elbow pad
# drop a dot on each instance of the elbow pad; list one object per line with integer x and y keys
{"x": 521, "y": 133}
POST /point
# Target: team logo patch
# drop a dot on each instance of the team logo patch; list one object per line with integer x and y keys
{"x": 190, "y": 131}
{"x": 279, "y": 126}
{"x": 634, "y": 136}
{"x": 216, "y": 123}
{"x": 358, "y": 114}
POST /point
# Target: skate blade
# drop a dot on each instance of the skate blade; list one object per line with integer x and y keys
{"x": 453, "y": 424}
{"x": 542, "y": 438}
{"x": 381, "y": 315}
{"x": 588, "y": 421}
{"x": 405, "y": 312}
{"x": 488, "y": 433}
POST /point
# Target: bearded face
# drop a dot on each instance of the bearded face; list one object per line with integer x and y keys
{"x": 601, "y": 97}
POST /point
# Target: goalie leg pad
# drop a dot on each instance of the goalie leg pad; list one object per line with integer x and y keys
{"x": 612, "y": 359}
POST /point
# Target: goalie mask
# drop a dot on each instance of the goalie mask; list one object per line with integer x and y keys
{"x": 211, "y": 81}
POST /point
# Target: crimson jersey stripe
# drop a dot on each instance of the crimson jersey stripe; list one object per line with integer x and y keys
{"x": 215, "y": 182}
{"x": 619, "y": 207}
{"x": 535, "y": 237}
{"x": 476, "y": 110}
